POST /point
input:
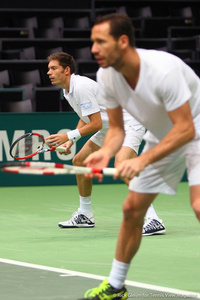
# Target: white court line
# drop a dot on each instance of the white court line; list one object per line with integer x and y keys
{"x": 184, "y": 294}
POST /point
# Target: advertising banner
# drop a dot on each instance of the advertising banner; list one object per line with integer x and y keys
{"x": 13, "y": 125}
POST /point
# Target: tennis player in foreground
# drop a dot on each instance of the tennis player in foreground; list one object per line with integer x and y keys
{"x": 163, "y": 94}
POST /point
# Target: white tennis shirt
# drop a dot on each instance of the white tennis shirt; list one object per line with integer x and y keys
{"x": 83, "y": 98}
{"x": 165, "y": 83}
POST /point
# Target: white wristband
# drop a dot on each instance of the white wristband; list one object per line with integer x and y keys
{"x": 74, "y": 135}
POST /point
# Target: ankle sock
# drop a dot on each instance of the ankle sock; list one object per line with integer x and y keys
{"x": 85, "y": 206}
{"x": 118, "y": 274}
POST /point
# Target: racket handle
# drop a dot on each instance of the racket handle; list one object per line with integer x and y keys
{"x": 109, "y": 171}
{"x": 60, "y": 149}
{"x": 105, "y": 171}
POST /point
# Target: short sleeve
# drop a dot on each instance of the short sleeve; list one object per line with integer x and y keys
{"x": 173, "y": 89}
{"x": 87, "y": 94}
{"x": 106, "y": 93}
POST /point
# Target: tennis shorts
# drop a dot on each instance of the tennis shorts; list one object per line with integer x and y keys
{"x": 133, "y": 136}
{"x": 163, "y": 176}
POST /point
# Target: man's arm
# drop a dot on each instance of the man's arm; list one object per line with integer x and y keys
{"x": 94, "y": 125}
{"x": 82, "y": 129}
{"x": 182, "y": 132}
{"x": 115, "y": 134}
{"x": 112, "y": 141}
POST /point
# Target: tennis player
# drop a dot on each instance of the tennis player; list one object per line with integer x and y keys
{"x": 163, "y": 94}
{"x": 81, "y": 93}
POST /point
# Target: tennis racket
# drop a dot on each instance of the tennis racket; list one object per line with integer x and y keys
{"x": 29, "y": 145}
{"x": 50, "y": 168}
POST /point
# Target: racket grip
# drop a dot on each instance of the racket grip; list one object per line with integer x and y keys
{"x": 109, "y": 171}
{"x": 105, "y": 171}
{"x": 60, "y": 149}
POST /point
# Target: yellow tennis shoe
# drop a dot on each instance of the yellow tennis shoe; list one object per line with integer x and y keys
{"x": 106, "y": 292}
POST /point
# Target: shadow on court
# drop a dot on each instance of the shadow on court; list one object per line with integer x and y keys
{"x": 26, "y": 283}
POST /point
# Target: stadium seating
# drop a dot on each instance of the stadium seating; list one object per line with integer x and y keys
{"x": 48, "y": 33}
{"x": 24, "y": 106}
{"x": 29, "y": 34}
{"x": 4, "y": 78}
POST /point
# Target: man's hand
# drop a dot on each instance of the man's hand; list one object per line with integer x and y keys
{"x": 67, "y": 146}
{"x": 56, "y": 140}
{"x": 130, "y": 168}
{"x": 97, "y": 160}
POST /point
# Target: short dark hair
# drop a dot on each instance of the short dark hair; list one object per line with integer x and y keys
{"x": 119, "y": 24}
{"x": 65, "y": 60}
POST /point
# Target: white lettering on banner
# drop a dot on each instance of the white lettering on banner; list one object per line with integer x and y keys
{"x": 5, "y": 145}
{"x": 4, "y": 142}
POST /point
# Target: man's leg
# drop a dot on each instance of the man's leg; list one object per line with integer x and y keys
{"x": 84, "y": 216}
{"x": 153, "y": 224}
{"x": 195, "y": 199}
{"x": 129, "y": 238}
{"x": 84, "y": 184}
{"x": 134, "y": 210}
{"x": 130, "y": 234}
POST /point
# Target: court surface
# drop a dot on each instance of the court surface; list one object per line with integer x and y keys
{"x": 38, "y": 260}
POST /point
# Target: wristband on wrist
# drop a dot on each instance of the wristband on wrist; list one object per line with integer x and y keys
{"x": 74, "y": 135}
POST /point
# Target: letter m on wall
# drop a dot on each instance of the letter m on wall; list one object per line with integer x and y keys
{"x": 5, "y": 145}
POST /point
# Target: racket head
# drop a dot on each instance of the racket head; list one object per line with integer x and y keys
{"x": 32, "y": 168}
{"x": 42, "y": 168}
{"x": 51, "y": 168}
{"x": 27, "y": 146}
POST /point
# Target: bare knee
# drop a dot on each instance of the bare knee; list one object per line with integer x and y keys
{"x": 133, "y": 211}
{"x": 77, "y": 161}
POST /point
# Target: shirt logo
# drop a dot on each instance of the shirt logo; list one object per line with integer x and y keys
{"x": 86, "y": 105}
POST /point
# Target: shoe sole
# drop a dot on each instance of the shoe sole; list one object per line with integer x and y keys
{"x": 155, "y": 233}
{"x": 72, "y": 226}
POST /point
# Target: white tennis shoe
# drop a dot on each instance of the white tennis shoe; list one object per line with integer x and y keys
{"x": 153, "y": 226}
{"x": 78, "y": 221}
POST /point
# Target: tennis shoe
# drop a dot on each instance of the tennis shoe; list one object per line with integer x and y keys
{"x": 78, "y": 221}
{"x": 106, "y": 292}
{"x": 153, "y": 227}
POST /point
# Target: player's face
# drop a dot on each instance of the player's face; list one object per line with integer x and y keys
{"x": 106, "y": 49}
{"x": 56, "y": 73}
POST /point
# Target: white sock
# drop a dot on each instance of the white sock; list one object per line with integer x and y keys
{"x": 118, "y": 274}
{"x": 85, "y": 206}
{"x": 151, "y": 213}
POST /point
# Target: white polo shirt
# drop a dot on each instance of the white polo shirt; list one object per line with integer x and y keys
{"x": 165, "y": 83}
{"x": 83, "y": 98}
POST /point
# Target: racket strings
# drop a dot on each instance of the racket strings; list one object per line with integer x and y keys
{"x": 27, "y": 146}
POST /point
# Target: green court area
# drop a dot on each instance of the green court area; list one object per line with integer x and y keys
{"x": 51, "y": 263}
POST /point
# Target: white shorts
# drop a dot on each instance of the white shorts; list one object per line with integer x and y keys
{"x": 163, "y": 176}
{"x": 133, "y": 136}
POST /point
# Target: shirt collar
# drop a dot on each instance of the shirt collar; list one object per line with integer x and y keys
{"x": 71, "y": 84}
